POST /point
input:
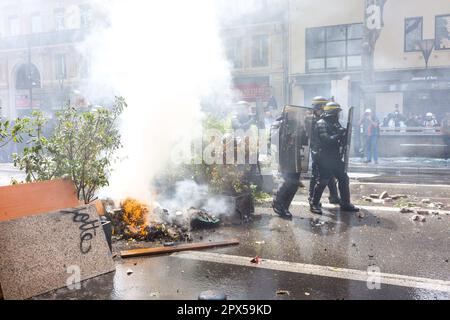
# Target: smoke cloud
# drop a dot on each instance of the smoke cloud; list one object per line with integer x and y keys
{"x": 162, "y": 56}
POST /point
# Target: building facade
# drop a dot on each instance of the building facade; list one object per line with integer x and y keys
{"x": 327, "y": 45}
{"x": 256, "y": 42}
{"x": 40, "y": 66}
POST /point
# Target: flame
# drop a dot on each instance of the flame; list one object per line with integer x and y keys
{"x": 135, "y": 216}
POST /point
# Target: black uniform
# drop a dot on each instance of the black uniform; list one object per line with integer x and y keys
{"x": 293, "y": 136}
{"x": 332, "y": 184}
{"x": 330, "y": 137}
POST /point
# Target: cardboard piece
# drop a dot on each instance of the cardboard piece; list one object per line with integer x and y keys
{"x": 34, "y": 198}
{"x": 45, "y": 252}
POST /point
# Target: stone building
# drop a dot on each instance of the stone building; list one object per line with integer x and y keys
{"x": 39, "y": 64}
{"x": 326, "y": 53}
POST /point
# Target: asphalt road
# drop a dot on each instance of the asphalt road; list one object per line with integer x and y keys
{"x": 381, "y": 254}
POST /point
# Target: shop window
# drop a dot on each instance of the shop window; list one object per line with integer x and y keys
{"x": 413, "y": 33}
{"x": 335, "y": 48}
{"x": 443, "y": 32}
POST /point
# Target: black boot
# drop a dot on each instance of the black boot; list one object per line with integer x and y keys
{"x": 344, "y": 189}
{"x": 334, "y": 196}
{"x": 315, "y": 206}
{"x": 349, "y": 208}
{"x": 281, "y": 210}
{"x": 316, "y": 209}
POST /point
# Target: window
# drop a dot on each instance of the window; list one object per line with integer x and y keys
{"x": 443, "y": 32}
{"x": 36, "y": 23}
{"x": 61, "y": 67}
{"x": 413, "y": 33}
{"x": 336, "y": 48}
{"x": 14, "y": 26}
{"x": 234, "y": 52}
{"x": 85, "y": 16}
{"x": 260, "y": 51}
{"x": 59, "y": 19}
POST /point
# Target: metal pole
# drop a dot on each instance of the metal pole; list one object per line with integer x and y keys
{"x": 30, "y": 80}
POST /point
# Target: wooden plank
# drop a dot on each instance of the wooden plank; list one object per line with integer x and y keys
{"x": 183, "y": 247}
{"x": 35, "y": 198}
{"x": 99, "y": 206}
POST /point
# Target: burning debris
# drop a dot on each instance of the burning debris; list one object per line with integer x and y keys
{"x": 137, "y": 221}
{"x": 131, "y": 221}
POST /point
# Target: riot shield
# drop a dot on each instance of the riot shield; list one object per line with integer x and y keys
{"x": 294, "y": 139}
{"x": 348, "y": 142}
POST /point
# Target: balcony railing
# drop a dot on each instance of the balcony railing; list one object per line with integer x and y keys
{"x": 42, "y": 39}
{"x": 411, "y": 131}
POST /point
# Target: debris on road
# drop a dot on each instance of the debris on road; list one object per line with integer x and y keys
{"x": 399, "y": 196}
{"x": 178, "y": 248}
{"x": 256, "y": 260}
{"x": 406, "y": 210}
{"x": 418, "y": 218}
{"x": 260, "y": 242}
{"x": 426, "y": 201}
{"x": 423, "y": 212}
{"x": 384, "y": 195}
{"x": 283, "y": 293}
{"x": 129, "y": 272}
{"x": 202, "y": 220}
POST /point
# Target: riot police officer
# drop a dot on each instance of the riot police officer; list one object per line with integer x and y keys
{"x": 330, "y": 138}
{"x": 318, "y": 105}
{"x": 292, "y": 136}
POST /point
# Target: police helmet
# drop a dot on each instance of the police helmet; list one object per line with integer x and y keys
{"x": 319, "y": 102}
{"x": 332, "y": 108}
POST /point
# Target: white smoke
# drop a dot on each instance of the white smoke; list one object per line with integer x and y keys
{"x": 175, "y": 208}
{"x": 162, "y": 56}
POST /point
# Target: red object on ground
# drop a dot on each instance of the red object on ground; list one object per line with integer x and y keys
{"x": 256, "y": 260}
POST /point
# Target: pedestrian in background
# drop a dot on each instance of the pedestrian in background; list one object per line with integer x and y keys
{"x": 430, "y": 121}
{"x": 371, "y": 132}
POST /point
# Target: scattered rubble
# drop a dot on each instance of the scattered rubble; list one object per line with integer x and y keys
{"x": 131, "y": 222}
{"x": 256, "y": 260}
{"x": 418, "y": 218}
{"x": 283, "y": 293}
{"x": 399, "y": 196}
{"x": 202, "y": 220}
{"x": 406, "y": 210}
{"x": 384, "y": 195}
{"x": 426, "y": 201}
{"x": 423, "y": 212}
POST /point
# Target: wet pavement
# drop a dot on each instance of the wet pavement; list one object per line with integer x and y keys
{"x": 387, "y": 240}
{"x": 380, "y": 237}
